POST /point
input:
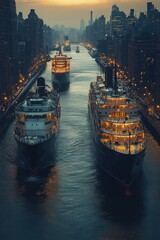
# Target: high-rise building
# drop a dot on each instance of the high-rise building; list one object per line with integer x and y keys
{"x": 21, "y": 29}
{"x": 82, "y": 25}
{"x": 22, "y": 51}
{"x": 3, "y": 58}
{"x": 33, "y": 36}
{"x": 131, "y": 19}
{"x": 153, "y": 17}
{"x": 117, "y": 21}
{"x": 144, "y": 63}
{"x": 150, "y": 9}
{"x": 91, "y": 18}
{"x": 48, "y": 44}
{"x": 8, "y": 44}
{"x": 89, "y": 29}
{"x": 98, "y": 30}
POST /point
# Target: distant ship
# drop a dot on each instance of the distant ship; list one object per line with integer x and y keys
{"x": 60, "y": 70}
{"x": 118, "y": 132}
{"x": 56, "y": 47}
{"x": 67, "y": 45}
{"x": 36, "y": 127}
{"x": 77, "y": 49}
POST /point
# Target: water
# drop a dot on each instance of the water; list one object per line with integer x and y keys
{"x": 74, "y": 199}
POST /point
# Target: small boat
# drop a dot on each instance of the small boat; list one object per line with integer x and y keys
{"x": 77, "y": 49}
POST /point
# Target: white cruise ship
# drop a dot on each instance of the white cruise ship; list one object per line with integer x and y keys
{"x": 36, "y": 127}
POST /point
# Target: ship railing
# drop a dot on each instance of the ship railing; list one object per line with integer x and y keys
{"x": 124, "y": 132}
{"x": 42, "y": 120}
{"x": 48, "y": 130}
{"x": 41, "y": 134}
{"x": 34, "y": 108}
{"x": 120, "y": 120}
{"x": 125, "y": 148}
{"x": 105, "y": 105}
{"x": 36, "y": 139}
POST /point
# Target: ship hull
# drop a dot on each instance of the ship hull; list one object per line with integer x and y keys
{"x": 38, "y": 156}
{"x": 67, "y": 49}
{"x": 125, "y": 168}
{"x": 61, "y": 81}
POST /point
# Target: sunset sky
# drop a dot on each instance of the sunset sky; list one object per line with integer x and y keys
{"x": 70, "y": 12}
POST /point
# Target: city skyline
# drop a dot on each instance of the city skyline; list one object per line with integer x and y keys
{"x": 64, "y": 12}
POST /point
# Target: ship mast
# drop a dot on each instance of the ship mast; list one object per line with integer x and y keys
{"x": 60, "y": 49}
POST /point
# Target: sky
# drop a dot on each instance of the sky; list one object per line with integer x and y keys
{"x": 70, "y": 12}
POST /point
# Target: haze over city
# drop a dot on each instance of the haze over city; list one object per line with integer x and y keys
{"x": 69, "y": 13}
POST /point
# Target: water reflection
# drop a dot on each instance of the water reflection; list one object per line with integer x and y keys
{"x": 118, "y": 203}
{"x": 61, "y": 85}
{"x": 35, "y": 161}
{"x": 37, "y": 187}
{"x": 74, "y": 200}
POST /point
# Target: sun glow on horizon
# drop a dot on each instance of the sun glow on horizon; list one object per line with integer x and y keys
{"x": 69, "y": 2}
{"x": 62, "y": 2}
{"x": 75, "y": 2}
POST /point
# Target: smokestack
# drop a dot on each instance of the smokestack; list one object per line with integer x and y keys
{"x": 109, "y": 77}
{"x": 41, "y": 85}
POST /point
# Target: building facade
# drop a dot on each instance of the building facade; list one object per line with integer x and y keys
{"x": 8, "y": 45}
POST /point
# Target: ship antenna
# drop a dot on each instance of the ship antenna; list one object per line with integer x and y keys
{"x": 115, "y": 79}
{"x": 60, "y": 50}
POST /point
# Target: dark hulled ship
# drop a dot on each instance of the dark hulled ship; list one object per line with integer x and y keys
{"x": 118, "y": 132}
{"x": 77, "y": 49}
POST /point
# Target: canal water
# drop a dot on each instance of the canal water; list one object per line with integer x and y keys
{"x": 74, "y": 199}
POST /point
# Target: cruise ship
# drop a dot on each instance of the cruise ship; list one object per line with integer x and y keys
{"x": 36, "y": 126}
{"x": 118, "y": 132}
{"x": 60, "y": 70}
